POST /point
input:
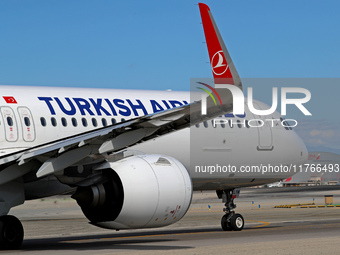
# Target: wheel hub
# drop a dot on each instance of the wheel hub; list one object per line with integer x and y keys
{"x": 239, "y": 222}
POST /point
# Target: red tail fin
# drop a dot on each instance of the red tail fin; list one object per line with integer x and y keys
{"x": 222, "y": 66}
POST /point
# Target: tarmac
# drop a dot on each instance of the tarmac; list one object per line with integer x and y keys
{"x": 57, "y": 226}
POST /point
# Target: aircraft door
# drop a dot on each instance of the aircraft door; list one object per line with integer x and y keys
{"x": 265, "y": 132}
{"x": 10, "y": 124}
{"x": 28, "y": 129}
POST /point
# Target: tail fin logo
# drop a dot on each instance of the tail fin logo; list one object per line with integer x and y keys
{"x": 218, "y": 63}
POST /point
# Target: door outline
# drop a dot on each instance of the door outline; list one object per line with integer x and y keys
{"x": 10, "y": 124}
{"x": 265, "y": 133}
{"x": 27, "y": 123}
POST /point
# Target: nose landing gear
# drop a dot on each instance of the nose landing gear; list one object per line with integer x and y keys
{"x": 231, "y": 220}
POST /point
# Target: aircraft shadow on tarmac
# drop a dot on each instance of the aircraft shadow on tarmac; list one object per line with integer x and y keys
{"x": 128, "y": 241}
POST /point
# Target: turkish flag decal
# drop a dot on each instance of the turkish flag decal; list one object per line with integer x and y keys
{"x": 10, "y": 100}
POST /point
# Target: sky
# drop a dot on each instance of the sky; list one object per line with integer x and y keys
{"x": 160, "y": 45}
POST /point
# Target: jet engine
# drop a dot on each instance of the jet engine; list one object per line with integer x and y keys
{"x": 143, "y": 191}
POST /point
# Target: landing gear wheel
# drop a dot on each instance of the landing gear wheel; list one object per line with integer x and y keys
{"x": 225, "y": 223}
{"x": 237, "y": 222}
{"x": 231, "y": 220}
{"x": 11, "y": 233}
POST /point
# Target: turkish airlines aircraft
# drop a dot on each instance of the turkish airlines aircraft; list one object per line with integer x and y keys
{"x": 126, "y": 155}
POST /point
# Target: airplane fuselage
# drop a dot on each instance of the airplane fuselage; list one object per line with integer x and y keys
{"x": 217, "y": 154}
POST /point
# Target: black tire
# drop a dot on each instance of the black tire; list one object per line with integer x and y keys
{"x": 11, "y": 233}
{"x": 237, "y": 222}
{"x": 225, "y": 224}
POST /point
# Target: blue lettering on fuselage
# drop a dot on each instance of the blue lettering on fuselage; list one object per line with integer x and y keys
{"x": 48, "y": 103}
{"x": 107, "y": 107}
{"x": 83, "y": 105}
{"x": 98, "y": 106}
{"x": 123, "y": 109}
{"x": 72, "y": 111}
{"x": 230, "y": 115}
{"x": 156, "y": 107}
{"x": 137, "y": 106}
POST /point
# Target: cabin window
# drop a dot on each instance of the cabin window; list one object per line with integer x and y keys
{"x": 197, "y": 125}
{"x": 239, "y": 123}
{"x": 53, "y": 122}
{"x": 94, "y": 122}
{"x": 84, "y": 121}
{"x": 27, "y": 121}
{"x": 205, "y": 124}
{"x": 213, "y": 123}
{"x": 10, "y": 121}
{"x": 64, "y": 122}
{"x": 43, "y": 121}
{"x": 74, "y": 122}
{"x": 230, "y": 123}
{"x": 122, "y": 120}
{"x": 104, "y": 122}
{"x": 113, "y": 121}
{"x": 247, "y": 124}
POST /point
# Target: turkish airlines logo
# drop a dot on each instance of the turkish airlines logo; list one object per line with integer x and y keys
{"x": 218, "y": 63}
{"x": 10, "y": 100}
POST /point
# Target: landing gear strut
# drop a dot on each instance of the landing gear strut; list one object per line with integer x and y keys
{"x": 231, "y": 220}
{"x": 11, "y": 232}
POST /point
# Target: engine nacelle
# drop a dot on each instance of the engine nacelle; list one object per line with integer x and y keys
{"x": 144, "y": 191}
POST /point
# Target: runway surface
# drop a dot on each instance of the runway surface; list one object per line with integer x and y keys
{"x": 57, "y": 226}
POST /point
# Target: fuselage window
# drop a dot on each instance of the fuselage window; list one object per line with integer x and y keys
{"x": 43, "y": 121}
{"x": 122, "y": 120}
{"x": 74, "y": 122}
{"x": 239, "y": 123}
{"x": 213, "y": 123}
{"x": 84, "y": 121}
{"x": 113, "y": 121}
{"x": 64, "y": 122}
{"x": 27, "y": 121}
{"x": 104, "y": 122}
{"x": 94, "y": 122}
{"x": 53, "y": 122}
{"x": 197, "y": 125}
{"x": 10, "y": 121}
{"x": 230, "y": 123}
{"x": 205, "y": 124}
{"x": 247, "y": 124}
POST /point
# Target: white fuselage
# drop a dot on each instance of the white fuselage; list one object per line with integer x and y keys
{"x": 32, "y": 116}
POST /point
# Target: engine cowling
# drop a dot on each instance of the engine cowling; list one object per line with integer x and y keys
{"x": 143, "y": 191}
